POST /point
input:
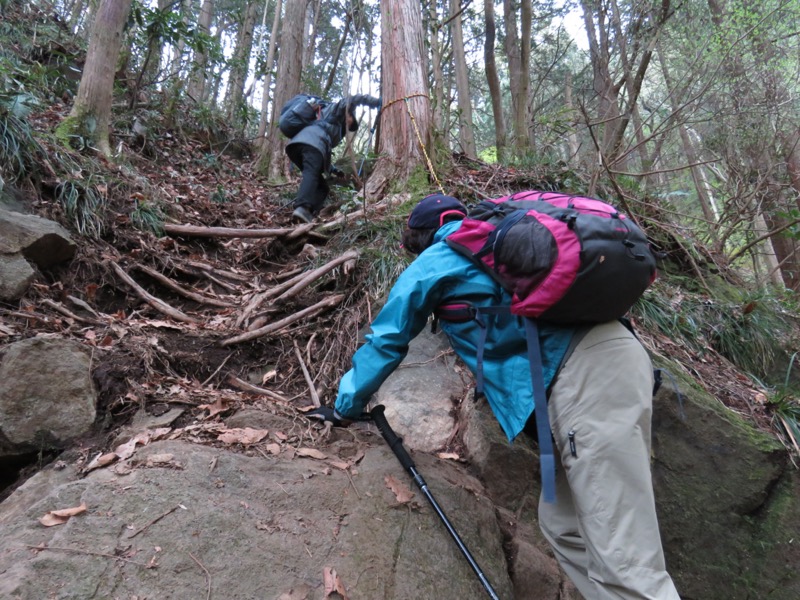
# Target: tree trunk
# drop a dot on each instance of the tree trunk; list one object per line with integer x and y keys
{"x": 335, "y": 64}
{"x": 465, "y": 135}
{"x": 287, "y": 84}
{"x": 312, "y": 14}
{"x": 405, "y": 94}
{"x": 198, "y": 85}
{"x": 177, "y": 58}
{"x": 493, "y": 80}
{"x": 790, "y": 149}
{"x": 436, "y": 67}
{"x": 91, "y": 113}
{"x": 512, "y": 48}
{"x": 522, "y": 116}
{"x": 273, "y": 44}
{"x": 573, "y": 147}
{"x": 155, "y": 48}
{"x": 241, "y": 62}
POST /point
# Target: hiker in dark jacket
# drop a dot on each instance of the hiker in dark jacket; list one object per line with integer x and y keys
{"x": 311, "y": 151}
{"x": 602, "y": 526}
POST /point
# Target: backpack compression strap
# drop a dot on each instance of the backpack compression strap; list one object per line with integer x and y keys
{"x": 547, "y": 460}
{"x": 461, "y": 313}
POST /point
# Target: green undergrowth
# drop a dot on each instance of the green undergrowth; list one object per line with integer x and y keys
{"x": 754, "y": 330}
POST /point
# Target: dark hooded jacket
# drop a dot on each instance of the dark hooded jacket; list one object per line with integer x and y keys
{"x": 325, "y": 133}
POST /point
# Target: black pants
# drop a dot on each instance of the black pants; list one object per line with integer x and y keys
{"x": 313, "y": 187}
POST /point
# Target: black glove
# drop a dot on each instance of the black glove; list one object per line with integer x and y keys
{"x": 326, "y": 414}
{"x": 337, "y": 172}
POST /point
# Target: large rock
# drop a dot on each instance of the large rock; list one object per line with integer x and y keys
{"x": 728, "y": 500}
{"x": 727, "y": 495}
{"x": 421, "y": 395}
{"x": 28, "y": 239}
{"x": 41, "y": 241}
{"x": 223, "y": 525}
{"x": 47, "y": 395}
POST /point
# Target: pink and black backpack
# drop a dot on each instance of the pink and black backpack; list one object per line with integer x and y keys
{"x": 564, "y": 259}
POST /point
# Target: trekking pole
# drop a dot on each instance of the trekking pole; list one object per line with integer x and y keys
{"x": 396, "y": 444}
{"x": 369, "y": 142}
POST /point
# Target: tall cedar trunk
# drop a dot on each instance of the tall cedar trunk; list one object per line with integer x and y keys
{"x": 313, "y": 12}
{"x": 436, "y": 67}
{"x": 493, "y": 80}
{"x": 523, "y": 110}
{"x": 241, "y": 61}
{"x": 91, "y": 112}
{"x": 512, "y": 48}
{"x": 273, "y": 44}
{"x": 287, "y": 83}
{"x": 199, "y": 83}
{"x": 405, "y": 94}
{"x": 465, "y": 135}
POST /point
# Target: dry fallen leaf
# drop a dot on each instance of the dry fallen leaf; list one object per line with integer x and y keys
{"x": 61, "y": 516}
{"x": 333, "y": 583}
{"x": 214, "y": 409}
{"x": 340, "y": 464}
{"x": 245, "y": 436}
{"x": 101, "y": 460}
{"x": 311, "y": 453}
{"x": 401, "y": 491}
{"x": 448, "y": 456}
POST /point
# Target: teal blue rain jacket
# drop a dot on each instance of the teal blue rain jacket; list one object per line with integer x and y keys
{"x": 440, "y": 275}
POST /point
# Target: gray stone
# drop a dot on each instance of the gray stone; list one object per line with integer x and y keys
{"x": 250, "y": 528}
{"x": 41, "y": 241}
{"x": 47, "y": 397}
{"x": 422, "y": 394}
{"x": 16, "y": 276}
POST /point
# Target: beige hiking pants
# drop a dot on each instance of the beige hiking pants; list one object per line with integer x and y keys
{"x": 603, "y": 525}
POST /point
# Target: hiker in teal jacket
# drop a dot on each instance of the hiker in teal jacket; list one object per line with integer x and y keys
{"x": 440, "y": 275}
{"x": 603, "y": 526}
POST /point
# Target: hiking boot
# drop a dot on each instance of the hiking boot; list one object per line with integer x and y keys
{"x": 301, "y": 213}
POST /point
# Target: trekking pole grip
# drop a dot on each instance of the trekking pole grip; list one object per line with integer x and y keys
{"x": 395, "y": 442}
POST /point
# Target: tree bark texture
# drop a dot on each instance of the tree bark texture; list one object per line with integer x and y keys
{"x": 199, "y": 78}
{"x": 406, "y": 114}
{"x": 466, "y": 137}
{"x": 287, "y": 83}
{"x": 273, "y": 44}
{"x": 241, "y": 60}
{"x": 512, "y": 48}
{"x": 92, "y": 108}
{"x": 493, "y": 79}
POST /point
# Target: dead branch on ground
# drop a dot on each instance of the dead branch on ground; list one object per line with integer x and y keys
{"x": 179, "y": 289}
{"x": 329, "y": 302}
{"x": 156, "y": 303}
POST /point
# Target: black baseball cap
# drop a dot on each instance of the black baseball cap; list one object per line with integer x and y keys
{"x": 431, "y": 211}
